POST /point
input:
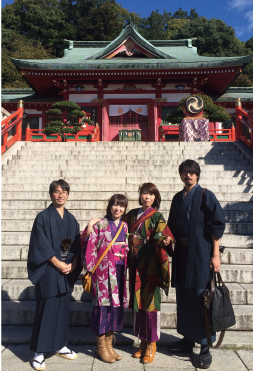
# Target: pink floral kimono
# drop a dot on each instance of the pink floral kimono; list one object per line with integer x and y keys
{"x": 109, "y": 291}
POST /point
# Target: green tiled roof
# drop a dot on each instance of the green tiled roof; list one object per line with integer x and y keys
{"x": 246, "y": 94}
{"x": 26, "y": 95}
{"x": 169, "y": 54}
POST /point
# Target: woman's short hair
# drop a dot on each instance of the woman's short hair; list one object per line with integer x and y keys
{"x": 193, "y": 167}
{"x": 152, "y": 190}
{"x": 56, "y": 183}
{"x": 116, "y": 199}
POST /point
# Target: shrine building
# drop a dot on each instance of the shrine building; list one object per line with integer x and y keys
{"x": 129, "y": 82}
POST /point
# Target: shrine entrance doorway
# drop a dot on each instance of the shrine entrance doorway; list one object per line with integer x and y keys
{"x": 128, "y": 120}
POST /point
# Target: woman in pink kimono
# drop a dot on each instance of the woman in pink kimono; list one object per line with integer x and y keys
{"x": 109, "y": 280}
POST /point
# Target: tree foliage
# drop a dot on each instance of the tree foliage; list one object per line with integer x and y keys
{"x": 213, "y": 37}
{"x": 18, "y": 46}
{"x": 63, "y": 119}
{"x": 212, "y": 111}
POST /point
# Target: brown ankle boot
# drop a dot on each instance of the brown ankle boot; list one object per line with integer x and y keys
{"x": 150, "y": 353}
{"x": 102, "y": 350}
{"x": 141, "y": 351}
{"x": 109, "y": 337}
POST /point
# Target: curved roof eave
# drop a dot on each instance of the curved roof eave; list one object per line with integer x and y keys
{"x": 200, "y": 62}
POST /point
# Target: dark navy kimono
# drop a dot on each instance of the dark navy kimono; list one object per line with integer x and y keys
{"x": 53, "y": 288}
{"x": 196, "y": 217}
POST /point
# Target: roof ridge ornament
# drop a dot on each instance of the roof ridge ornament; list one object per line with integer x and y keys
{"x": 130, "y": 24}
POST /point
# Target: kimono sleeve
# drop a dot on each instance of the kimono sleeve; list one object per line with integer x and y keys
{"x": 91, "y": 252}
{"x": 83, "y": 244}
{"x": 213, "y": 214}
{"x": 161, "y": 232}
{"x": 75, "y": 247}
{"x": 40, "y": 249}
{"x": 172, "y": 217}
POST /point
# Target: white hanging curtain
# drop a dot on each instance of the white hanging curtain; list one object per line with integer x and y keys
{"x": 117, "y": 110}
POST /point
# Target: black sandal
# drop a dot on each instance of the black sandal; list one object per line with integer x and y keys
{"x": 204, "y": 361}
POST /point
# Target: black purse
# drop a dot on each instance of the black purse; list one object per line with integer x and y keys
{"x": 218, "y": 311}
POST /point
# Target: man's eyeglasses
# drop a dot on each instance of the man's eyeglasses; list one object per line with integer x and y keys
{"x": 64, "y": 193}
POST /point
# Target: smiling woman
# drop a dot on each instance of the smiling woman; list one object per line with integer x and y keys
{"x": 150, "y": 245}
{"x": 109, "y": 278}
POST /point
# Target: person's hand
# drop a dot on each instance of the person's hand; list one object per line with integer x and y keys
{"x": 89, "y": 227}
{"x": 69, "y": 268}
{"x": 61, "y": 266}
{"x": 93, "y": 221}
{"x": 215, "y": 263}
{"x": 167, "y": 240}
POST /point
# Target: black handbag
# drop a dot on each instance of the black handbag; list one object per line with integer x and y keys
{"x": 218, "y": 311}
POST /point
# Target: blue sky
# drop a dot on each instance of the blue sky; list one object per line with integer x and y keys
{"x": 235, "y": 13}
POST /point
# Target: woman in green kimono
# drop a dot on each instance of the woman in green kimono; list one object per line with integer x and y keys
{"x": 150, "y": 244}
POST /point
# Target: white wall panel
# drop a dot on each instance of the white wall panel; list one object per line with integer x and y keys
{"x": 82, "y": 98}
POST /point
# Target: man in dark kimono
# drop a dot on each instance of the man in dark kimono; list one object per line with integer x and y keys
{"x": 53, "y": 267}
{"x": 197, "y": 223}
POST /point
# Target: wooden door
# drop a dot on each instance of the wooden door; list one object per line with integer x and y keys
{"x": 129, "y": 120}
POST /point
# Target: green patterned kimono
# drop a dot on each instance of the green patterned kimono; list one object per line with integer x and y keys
{"x": 148, "y": 261}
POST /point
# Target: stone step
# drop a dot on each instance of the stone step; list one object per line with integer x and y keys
{"x": 23, "y": 290}
{"x": 131, "y": 180}
{"x": 85, "y": 215}
{"x": 169, "y": 147}
{"x": 238, "y": 273}
{"x": 102, "y": 205}
{"x": 228, "y": 240}
{"x": 237, "y": 256}
{"x": 105, "y": 195}
{"x": 229, "y": 256}
{"x": 26, "y": 225}
{"x": 126, "y": 158}
{"x": 177, "y": 156}
{"x": 116, "y": 187}
{"x": 84, "y": 336}
{"x": 239, "y": 228}
{"x": 22, "y": 313}
{"x": 239, "y": 242}
{"x": 127, "y": 170}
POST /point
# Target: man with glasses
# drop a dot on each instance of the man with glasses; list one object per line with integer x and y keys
{"x": 197, "y": 222}
{"x": 53, "y": 267}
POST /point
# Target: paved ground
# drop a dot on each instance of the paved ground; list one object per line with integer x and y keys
{"x": 17, "y": 357}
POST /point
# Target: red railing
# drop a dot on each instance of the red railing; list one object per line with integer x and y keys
{"x": 89, "y": 134}
{"x": 244, "y": 126}
{"x": 170, "y": 133}
{"x": 11, "y": 128}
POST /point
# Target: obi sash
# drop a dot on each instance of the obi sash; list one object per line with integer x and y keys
{"x": 119, "y": 250}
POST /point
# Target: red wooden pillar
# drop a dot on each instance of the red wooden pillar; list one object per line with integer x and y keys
{"x": 238, "y": 107}
{"x": 105, "y": 122}
{"x": 100, "y": 120}
{"x": 152, "y": 122}
{"x": 19, "y": 125}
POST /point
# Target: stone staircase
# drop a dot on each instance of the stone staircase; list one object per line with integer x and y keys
{"x": 95, "y": 171}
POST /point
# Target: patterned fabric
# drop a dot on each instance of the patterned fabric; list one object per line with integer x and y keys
{"x": 104, "y": 278}
{"x": 147, "y": 325}
{"x": 191, "y": 130}
{"x": 106, "y": 318}
{"x": 149, "y": 263}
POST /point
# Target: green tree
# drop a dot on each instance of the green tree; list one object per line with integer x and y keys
{"x": 214, "y": 37}
{"x": 40, "y": 20}
{"x": 63, "y": 119}
{"x": 174, "y": 25}
{"x": 243, "y": 81}
{"x": 18, "y": 47}
{"x": 211, "y": 111}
